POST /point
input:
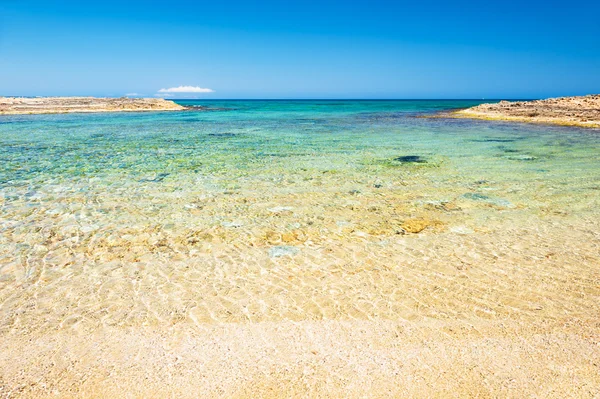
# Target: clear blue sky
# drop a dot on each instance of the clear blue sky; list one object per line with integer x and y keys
{"x": 301, "y": 49}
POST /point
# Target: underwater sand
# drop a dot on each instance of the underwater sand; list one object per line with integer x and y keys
{"x": 298, "y": 248}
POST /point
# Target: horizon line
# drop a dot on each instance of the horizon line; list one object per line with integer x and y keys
{"x": 351, "y": 99}
{"x": 299, "y": 99}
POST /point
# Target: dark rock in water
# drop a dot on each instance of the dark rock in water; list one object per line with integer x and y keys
{"x": 410, "y": 159}
{"x": 159, "y": 177}
{"x": 225, "y": 134}
{"x": 521, "y": 158}
{"x": 493, "y": 140}
{"x": 476, "y": 197}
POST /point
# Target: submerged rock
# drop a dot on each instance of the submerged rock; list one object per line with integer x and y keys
{"x": 495, "y": 140}
{"x": 415, "y": 225}
{"x": 488, "y": 200}
{"x": 283, "y": 250}
{"x": 411, "y": 159}
{"x": 158, "y": 178}
{"x": 521, "y": 157}
{"x": 440, "y": 205}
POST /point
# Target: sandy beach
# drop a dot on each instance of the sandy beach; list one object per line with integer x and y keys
{"x": 61, "y": 105}
{"x": 581, "y": 111}
{"x": 298, "y": 249}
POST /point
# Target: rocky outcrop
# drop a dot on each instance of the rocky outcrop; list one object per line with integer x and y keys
{"x": 58, "y": 105}
{"x": 576, "y": 111}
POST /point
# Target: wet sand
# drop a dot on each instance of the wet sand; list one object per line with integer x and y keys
{"x": 61, "y": 105}
{"x": 581, "y": 111}
{"x": 509, "y": 309}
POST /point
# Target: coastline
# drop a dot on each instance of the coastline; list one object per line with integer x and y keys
{"x": 582, "y": 111}
{"x": 65, "y": 105}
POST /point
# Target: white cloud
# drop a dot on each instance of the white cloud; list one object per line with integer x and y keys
{"x": 132, "y": 94}
{"x": 186, "y": 89}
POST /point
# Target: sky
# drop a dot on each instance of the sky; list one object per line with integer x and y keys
{"x": 300, "y": 49}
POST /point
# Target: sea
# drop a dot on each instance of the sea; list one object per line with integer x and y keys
{"x": 286, "y": 214}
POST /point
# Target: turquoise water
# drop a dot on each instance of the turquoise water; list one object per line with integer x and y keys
{"x": 234, "y": 198}
{"x": 246, "y": 139}
{"x": 240, "y": 135}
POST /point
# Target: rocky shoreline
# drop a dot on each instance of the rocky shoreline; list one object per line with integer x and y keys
{"x": 581, "y": 111}
{"x": 60, "y": 105}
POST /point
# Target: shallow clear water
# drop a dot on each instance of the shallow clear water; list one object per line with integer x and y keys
{"x": 293, "y": 210}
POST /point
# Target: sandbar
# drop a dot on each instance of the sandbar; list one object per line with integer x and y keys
{"x": 60, "y": 105}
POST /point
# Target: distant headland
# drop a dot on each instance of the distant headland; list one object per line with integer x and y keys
{"x": 572, "y": 111}
{"x": 60, "y": 105}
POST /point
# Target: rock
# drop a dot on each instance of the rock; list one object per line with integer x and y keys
{"x": 288, "y": 237}
{"x": 495, "y": 140}
{"x": 415, "y": 225}
{"x": 441, "y": 205}
{"x": 410, "y": 159}
{"x": 156, "y": 179}
{"x": 488, "y": 200}
{"x": 521, "y": 157}
{"x": 577, "y": 111}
